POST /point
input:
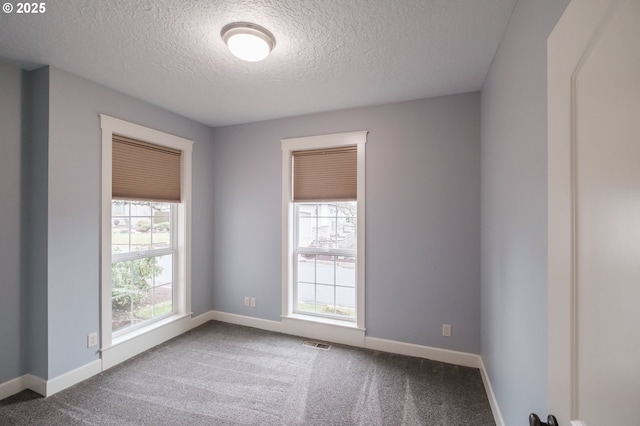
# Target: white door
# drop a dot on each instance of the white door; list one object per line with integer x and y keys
{"x": 594, "y": 213}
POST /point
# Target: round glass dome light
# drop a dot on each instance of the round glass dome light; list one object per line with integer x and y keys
{"x": 249, "y": 42}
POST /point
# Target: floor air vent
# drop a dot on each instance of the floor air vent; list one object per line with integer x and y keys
{"x": 317, "y": 345}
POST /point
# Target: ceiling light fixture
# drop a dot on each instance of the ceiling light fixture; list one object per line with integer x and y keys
{"x": 249, "y": 42}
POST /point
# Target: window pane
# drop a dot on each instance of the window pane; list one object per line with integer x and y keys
{"x": 120, "y": 312}
{"x": 346, "y": 271}
{"x": 163, "y": 270}
{"x": 142, "y": 289}
{"x": 306, "y": 234}
{"x": 143, "y": 306}
{"x": 161, "y": 225}
{"x": 307, "y": 268}
{"x": 346, "y": 233}
{"x": 306, "y": 297}
{"x": 120, "y": 235}
{"x": 119, "y": 208}
{"x": 140, "y": 208}
{"x": 326, "y": 226}
{"x": 140, "y": 233}
{"x": 163, "y": 299}
{"x": 346, "y": 301}
{"x": 140, "y": 226}
{"x": 325, "y": 297}
{"x": 325, "y": 270}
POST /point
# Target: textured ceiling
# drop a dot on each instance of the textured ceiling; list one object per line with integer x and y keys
{"x": 330, "y": 54}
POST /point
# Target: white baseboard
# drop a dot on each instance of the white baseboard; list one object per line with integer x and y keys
{"x": 13, "y": 386}
{"x": 436, "y": 354}
{"x": 495, "y": 409}
{"x": 53, "y": 386}
{"x": 70, "y": 378}
{"x": 201, "y": 319}
{"x": 247, "y": 321}
{"x": 36, "y": 384}
{"x": 17, "y": 385}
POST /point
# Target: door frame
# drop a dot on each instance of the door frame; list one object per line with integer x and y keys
{"x": 568, "y": 48}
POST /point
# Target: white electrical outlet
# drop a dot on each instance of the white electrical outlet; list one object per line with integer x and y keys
{"x": 246, "y": 301}
{"x": 253, "y": 302}
{"x": 92, "y": 340}
{"x": 446, "y": 330}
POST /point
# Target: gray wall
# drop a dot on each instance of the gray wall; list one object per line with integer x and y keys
{"x": 50, "y": 214}
{"x": 74, "y": 208}
{"x": 35, "y": 226}
{"x": 10, "y": 213}
{"x": 514, "y": 212}
{"x": 422, "y": 215}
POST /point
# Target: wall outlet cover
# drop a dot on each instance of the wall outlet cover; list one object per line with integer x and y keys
{"x": 92, "y": 340}
{"x": 446, "y": 330}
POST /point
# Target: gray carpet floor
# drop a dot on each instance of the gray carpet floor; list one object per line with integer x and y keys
{"x": 223, "y": 374}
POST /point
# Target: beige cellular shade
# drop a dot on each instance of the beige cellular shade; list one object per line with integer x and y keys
{"x": 144, "y": 171}
{"x": 325, "y": 174}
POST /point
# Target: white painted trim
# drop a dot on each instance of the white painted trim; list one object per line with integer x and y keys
{"x": 287, "y": 235}
{"x": 493, "y": 401}
{"x": 109, "y": 126}
{"x": 436, "y": 354}
{"x": 568, "y": 48}
{"x": 325, "y": 141}
{"x": 360, "y": 273}
{"x": 343, "y": 334}
{"x": 13, "y": 386}
{"x": 73, "y": 377}
{"x": 123, "y": 350}
{"x": 201, "y": 319}
{"x": 246, "y": 321}
{"x": 359, "y": 139}
{"x": 50, "y": 387}
{"x": 105, "y": 233}
{"x": 36, "y": 384}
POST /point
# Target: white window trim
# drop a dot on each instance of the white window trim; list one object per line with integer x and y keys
{"x": 182, "y": 306}
{"x": 318, "y": 142}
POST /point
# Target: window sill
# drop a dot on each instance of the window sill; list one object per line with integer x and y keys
{"x": 148, "y": 328}
{"x": 322, "y": 320}
{"x": 327, "y": 329}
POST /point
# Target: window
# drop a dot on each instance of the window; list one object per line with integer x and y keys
{"x": 145, "y": 263}
{"x": 323, "y": 215}
{"x": 326, "y": 255}
{"x": 143, "y": 253}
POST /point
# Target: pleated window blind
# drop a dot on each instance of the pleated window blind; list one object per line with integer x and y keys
{"x": 325, "y": 174}
{"x": 144, "y": 171}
